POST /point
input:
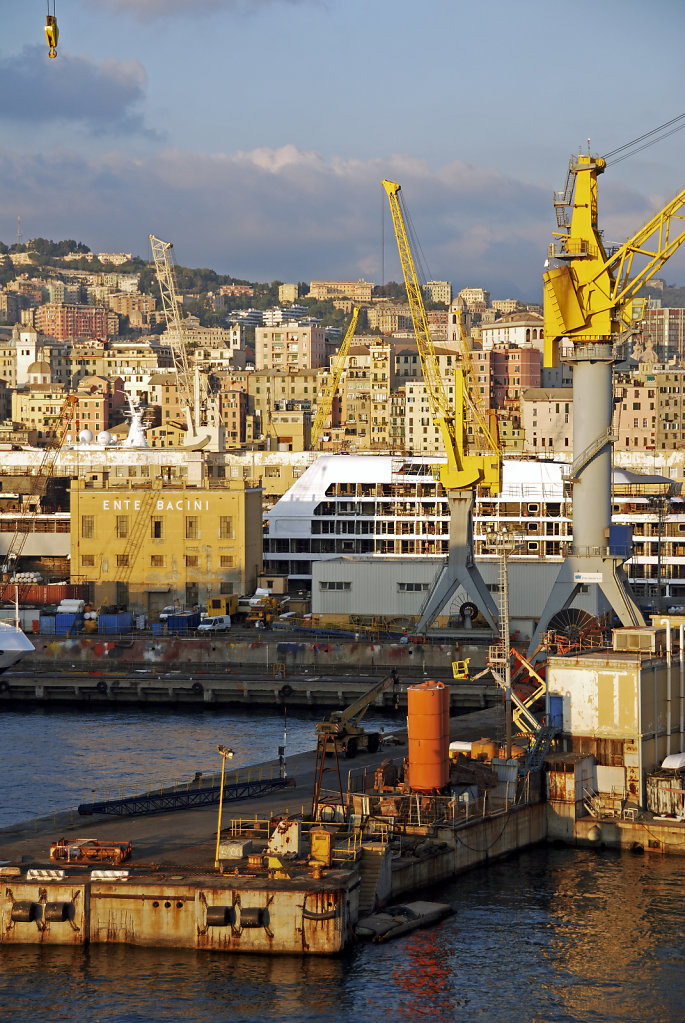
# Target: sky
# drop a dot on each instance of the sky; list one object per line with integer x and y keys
{"x": 254, "y": 134}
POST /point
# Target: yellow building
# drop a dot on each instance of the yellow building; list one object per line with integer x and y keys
{"x": 147, "y": 545}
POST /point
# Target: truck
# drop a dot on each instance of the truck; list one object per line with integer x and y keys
{"x": 343, "y": 732}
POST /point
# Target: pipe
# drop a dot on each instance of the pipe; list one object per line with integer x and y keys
{"x": 667, "y": 623}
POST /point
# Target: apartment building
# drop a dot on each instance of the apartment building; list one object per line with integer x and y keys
{"x": 520, "y": 329}
{"x": 367, "y": 384}
{"x": 476, "y": 300}
{"x": 665, "y": 329}
{"x": 290, "y": 348}
{"x": 547, "y": 421}
{"x": 357, "y": 291}
{"x": 65, "y": 321}
{"x": 503, "y": 374}
{"x": 437, "y": 291}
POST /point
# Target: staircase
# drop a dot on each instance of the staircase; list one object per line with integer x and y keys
{"x": 370, "y": 869}
{"x": 539, "y": 750}
{"x": 592, "y": 802}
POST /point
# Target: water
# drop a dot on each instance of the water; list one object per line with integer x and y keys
{"x": 553, "y": 934}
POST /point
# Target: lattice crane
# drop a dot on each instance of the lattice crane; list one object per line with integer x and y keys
{"x": 464, "y": 470}
{"x": 324, "y": 401}
{"x": 196, "y": 399}
{"x": 588, "y": 299}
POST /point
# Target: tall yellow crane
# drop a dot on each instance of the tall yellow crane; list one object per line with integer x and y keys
{"x": 464, "y": 469}
{"x": 588, "y": 299}
{"x": 324, "y": 401}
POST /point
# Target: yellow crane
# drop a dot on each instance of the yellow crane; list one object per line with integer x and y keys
{"x": 324, "y": 401}
{"x": 464, "y": 469}
{"x": 589, "y": 299}
{"x": 51, "y": 31}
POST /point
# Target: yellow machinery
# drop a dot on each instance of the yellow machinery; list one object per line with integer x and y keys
{"x": 51, "y": 31}
{"x": 464, "y": 469}
{"x": 588, "y": 296}
{"x": 343, "y": 733}
{"x": 324, "y": 401}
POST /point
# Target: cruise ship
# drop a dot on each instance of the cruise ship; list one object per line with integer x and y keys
{"x": 358, "y": 507}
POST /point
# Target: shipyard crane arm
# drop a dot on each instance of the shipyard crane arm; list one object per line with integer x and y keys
{"x": 462, "y": 470}
{"x": 39, "y": 481}
{"x": 588, "y": 297}
{"x": 324, "y": 401}
{"x": 199, "y": 405}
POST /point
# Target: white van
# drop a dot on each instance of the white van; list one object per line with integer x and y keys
{"x": 219, "y": 623}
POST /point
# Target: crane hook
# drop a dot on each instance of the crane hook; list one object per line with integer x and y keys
{"x": 52, "y": 34}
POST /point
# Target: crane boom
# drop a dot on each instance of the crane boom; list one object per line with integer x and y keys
{"x": 462, "y": 470}
{"x": 324, "y": 400}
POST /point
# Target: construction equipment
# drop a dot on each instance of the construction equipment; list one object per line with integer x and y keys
{"x": 464, "y": 470}
{"x": 51, "y": 31}
{"x": 343, "y": 733}
{"x": 90, "y": 850}
{"x": 200, "y": 406}
{"x": 39, "y": 482}
{"x": 263, "y": 613}
{"x": 588, "y": 299}
{"x": 324, "y": 400}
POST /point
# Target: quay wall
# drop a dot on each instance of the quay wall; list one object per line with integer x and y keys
{"x": 481, "y": 841}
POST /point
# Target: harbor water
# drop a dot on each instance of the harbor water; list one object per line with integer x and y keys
{"x": 552, "y": 934}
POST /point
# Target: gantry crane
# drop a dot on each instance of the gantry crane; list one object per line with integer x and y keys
{"x": 464, "y": 470}
{"x": 324, "y": 401}
{"x": 39, "y": 481}
{"x": 588, "y": 295}
{"x": 200, "y": 406}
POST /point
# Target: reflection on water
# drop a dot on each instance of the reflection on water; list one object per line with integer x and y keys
{"x": 549, "y": 936}
{"x": 552, "y": 935}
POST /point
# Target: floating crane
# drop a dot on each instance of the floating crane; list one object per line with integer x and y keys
{"x": 324, "y": 401}
{"x": 199, "y": 405}
{"x": 51, "y": 31}
{"x": 464, "y": 469}
{"x": 588, "y": 299}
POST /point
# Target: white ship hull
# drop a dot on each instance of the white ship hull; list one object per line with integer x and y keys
{"x": 14, "y": 645}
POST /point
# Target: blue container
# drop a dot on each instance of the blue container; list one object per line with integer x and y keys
{"x": 68, "y": 623}
{"x": 183, "y": 622}
{"x": 157, "y": 629}
{"x": 47, "y": 625}
{"x": 556, "y": 712}
{"x": 120, "y": 622}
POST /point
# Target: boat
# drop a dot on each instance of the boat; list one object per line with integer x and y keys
{"x": 393, "y": 921}
{"x": 14, "y": 645}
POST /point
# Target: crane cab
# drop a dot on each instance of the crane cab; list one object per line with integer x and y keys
{"x": 51, "y": 34}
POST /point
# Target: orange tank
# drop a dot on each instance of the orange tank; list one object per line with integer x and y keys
{"x": 428, "y": 731}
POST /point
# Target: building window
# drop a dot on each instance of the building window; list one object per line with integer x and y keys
{"x": 122, "y": 594}
{"x": 226, "y": 527}
{"x": 87, "y": 560}
{"x": 122, "y": 527}
{"x": 122, "y": 559}
{"x": 411, "y": 587}
{"x": 157, "y": 561}
{"x": 336, "y": 585}
{"x": 226, "y": 588}
{"x": 192, "y": 529}
{"x": 226, "y": 561}
{"x": 88, "y": 527}
{"x": 191, "y": 560}
{"x": 156, "y": 530}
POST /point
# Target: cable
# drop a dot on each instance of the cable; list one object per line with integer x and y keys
{"x": 648, "y": 144}
{"x": 647, "y": 135}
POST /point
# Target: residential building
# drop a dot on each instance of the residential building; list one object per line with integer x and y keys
{"x": 547, "y": 421}
{"x": 66, "y": 321}
{"x": 438, "y": 291}
{"x": 290, "y": 348}
{"x": 357, "y": 291}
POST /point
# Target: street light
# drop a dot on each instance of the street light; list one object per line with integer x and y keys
{"x": 226, "y": 754}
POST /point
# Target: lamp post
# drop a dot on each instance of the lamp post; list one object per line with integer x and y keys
{"x": 226, "y": 754}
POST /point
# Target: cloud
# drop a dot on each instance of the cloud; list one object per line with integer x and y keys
{"x": 289, "y": 214}
{"x": 149, "y": 10}
{"x": 100, "y": 97}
